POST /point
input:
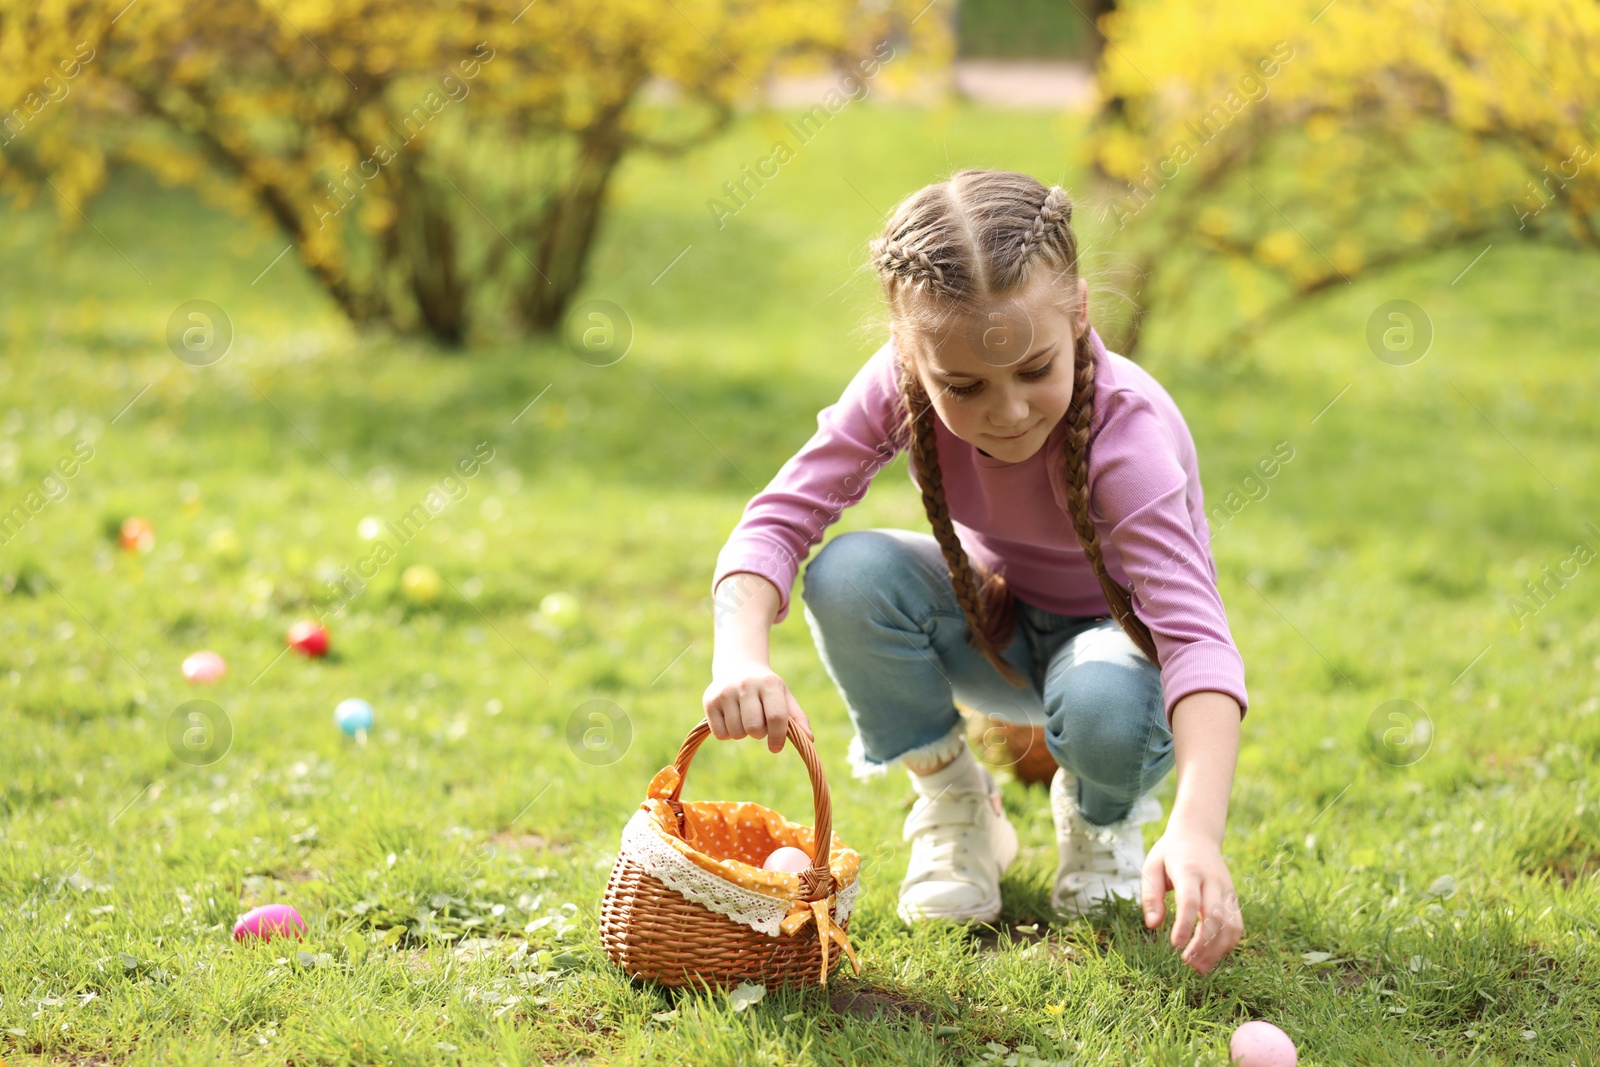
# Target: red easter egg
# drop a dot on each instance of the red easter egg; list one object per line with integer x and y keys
{"x": 308, "y": 638}
{"x": 269, "y": 921}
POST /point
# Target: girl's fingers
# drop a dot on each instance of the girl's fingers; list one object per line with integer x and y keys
{"x": 714, "y": 720}
{"x": 1153, "y": 889}
{"x": 1187, "y": 896}
{"x": 800, "y": 716}
{"x": 1231, "y": 918}
{"x": 752, "y": 720}
{"x": 774, "y": 699}
{"x": 755, "y": 710}
{"x": 1208, "y": 944}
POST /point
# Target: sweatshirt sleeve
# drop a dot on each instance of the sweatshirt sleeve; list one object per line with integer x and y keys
{"x": 1138, "y": 491}
{"x": 855, "y": 438}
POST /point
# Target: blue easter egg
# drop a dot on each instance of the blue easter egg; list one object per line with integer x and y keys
{"x": 353, "y": 716}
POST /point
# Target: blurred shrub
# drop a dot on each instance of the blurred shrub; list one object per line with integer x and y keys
{"x": 438, "y": 166}
{"x": 1290, "y": 148}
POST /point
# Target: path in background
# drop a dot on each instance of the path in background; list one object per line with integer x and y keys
{"x": 998, "y": 82}
{"x": 1045, "y": 84}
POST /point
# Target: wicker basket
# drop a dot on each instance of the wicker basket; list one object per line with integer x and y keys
{"x": 703, "y": 928}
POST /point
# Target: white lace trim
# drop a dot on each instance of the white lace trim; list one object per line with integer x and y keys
{"x": 643, "y": 844}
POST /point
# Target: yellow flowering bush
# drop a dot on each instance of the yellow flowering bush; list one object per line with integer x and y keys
{"x": 436, "y": 164}
{"x": 1312, "y": 142}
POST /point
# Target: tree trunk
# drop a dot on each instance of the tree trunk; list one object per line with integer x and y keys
{"x": 1092, "y": 10}
{"x": 566, "y": 229}
{"x": 428, "y": 243}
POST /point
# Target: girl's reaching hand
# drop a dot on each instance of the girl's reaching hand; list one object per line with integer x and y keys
{"x": 1191, "y": 864}
{"x": 746, "y": 698}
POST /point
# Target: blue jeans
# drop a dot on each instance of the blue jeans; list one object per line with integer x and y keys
{"x": 891, "y": 635}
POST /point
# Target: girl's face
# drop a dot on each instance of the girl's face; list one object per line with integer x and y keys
{"x": 1003, "y": 380}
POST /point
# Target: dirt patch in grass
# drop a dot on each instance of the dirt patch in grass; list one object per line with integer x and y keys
{"x": 1536, "y": 960}
{"x": 1570, "y": 866}
{"x": 871, "y": 1004}
{"x": 1033, "y": 935}
{"x": 417, "y": 959}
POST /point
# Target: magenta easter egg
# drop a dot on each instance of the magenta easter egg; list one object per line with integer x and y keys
{"x": 1260, "y": 1044}
{"x": 269, "y": 921}
{"x": 788, "y": 858}
{"x": 204, "y": 667}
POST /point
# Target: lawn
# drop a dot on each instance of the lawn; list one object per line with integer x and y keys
{"x": 1413, "y": 892}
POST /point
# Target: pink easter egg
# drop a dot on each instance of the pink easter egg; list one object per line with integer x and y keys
{"x": 269, "y": 921}
{"x": 788, "y": 858}
{"x": 204, "y": 667}
{"x": 1260, "y": 1044}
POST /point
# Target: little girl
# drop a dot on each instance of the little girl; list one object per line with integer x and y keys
{"x": 1068, "y": 580}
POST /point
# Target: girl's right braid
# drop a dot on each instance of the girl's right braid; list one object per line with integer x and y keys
{"x": 913, "y": 263}
{"x": 1076, "y": 456}
{"x": 988, "y": 607}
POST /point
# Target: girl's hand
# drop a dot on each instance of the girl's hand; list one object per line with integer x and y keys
{"x": 746, "y": 698}
{"x": 1191, "y": 864}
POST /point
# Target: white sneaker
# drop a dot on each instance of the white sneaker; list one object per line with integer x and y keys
{"x": 961, "y": 841}
{"x": 1096, "y": 862}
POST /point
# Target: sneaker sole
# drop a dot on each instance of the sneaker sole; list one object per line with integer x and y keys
{"x": 985, "y": 911}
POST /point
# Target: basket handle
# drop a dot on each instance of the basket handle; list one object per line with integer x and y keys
{"x": 818, "y": 880}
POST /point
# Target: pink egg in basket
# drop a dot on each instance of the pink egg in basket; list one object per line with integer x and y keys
{"x": 1260, "y": 1044}
{"x": 788, "y": 858}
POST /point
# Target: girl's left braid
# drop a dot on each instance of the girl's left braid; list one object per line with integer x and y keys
{"x": 988, "y": 603}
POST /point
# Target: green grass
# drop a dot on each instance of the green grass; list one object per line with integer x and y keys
{"x": 1376, "y": 568}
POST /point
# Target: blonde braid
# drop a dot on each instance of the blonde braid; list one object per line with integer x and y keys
{"x": 892, "y": 257}
{"x": 1057, "y": 208}
{"x": 1075, "y": 468}
{"x": 986, "y": 601}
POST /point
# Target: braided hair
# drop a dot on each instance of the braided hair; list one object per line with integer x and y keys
{"x": 954, "y": 248}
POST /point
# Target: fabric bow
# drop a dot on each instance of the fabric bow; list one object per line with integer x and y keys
{"x": 820, "y": 910}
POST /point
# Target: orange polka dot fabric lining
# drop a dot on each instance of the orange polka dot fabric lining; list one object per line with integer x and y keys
{"x": 731, "y": 839}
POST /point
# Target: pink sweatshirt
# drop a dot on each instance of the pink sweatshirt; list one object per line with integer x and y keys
{"x": 1144, "y": 497}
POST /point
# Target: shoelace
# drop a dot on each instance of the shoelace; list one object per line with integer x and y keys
{"x": 1101, "y": 857}
{"x": 942, "y": 852}
{"x": 940, "y": 846}
{"x": 1094, "y": 856}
